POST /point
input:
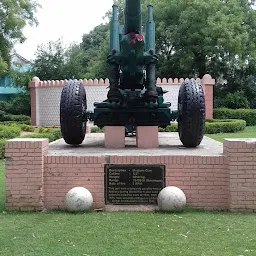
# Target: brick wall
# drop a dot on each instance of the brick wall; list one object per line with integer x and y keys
{"x": 241, "y": 157}
{"x": 45, "y": 96}
{"x": 36, "y": 180}
{"x": 24, "y": 173}
{"x": 61, "y": 173}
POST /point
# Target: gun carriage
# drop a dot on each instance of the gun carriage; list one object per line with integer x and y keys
{"x": 133, "y": 98}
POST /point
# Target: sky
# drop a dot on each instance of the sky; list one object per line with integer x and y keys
{"x": 64, "y": 19}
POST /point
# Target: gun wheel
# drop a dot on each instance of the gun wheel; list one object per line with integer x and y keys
{"x": 72, "y": 113}
{"x": 191, "y": 122}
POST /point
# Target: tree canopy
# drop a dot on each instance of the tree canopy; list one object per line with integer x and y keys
{"x": 197, "y": 37}
{"x": 192, "y": 38}
{"x": 14, "y": 15}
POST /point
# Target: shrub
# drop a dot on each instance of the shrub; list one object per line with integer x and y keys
{"x": 96, "y": 129}
{"x": 2, "y": 148}
{"x": 8, "y": 132}
{"x": 27, "y": 128}
{"x": 4, "y": 106}
{"x": 52, "y": 135}
{"x": 214, "y": 126}
{"x": 18, "y": 118}
{"x": 224, "y": 126}
{"x": 234, "y": 100}
{"x": 15, "y": 118}
{"x": 248, "y": 115}
{"x": 2, "y": 115}
{"x": 9, "y": 123}
{"x": 170, "y": 128}
{"x": 44, "y": 129}
{"x": 20, "y": 104}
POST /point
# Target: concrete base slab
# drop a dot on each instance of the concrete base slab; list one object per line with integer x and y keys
{"x": 169, "y": 144}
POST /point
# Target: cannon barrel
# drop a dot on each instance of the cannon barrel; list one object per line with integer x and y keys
{"x": 114, "y": 30}
{"x": 150, "y": 30}
{"x": 132, "y": 14}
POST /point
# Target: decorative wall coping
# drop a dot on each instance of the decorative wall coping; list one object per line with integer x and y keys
{"x": 36, "y": 82}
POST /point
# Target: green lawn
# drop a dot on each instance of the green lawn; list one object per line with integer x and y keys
{"x": 191, "y": 233}
{"x": 249, "y": 132}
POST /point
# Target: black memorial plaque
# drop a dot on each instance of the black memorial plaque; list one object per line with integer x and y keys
{"x": 130, "y": 184}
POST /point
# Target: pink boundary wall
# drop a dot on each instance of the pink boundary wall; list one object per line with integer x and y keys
{"x": 38, "y": 181}
{"x": 207, "y": 81}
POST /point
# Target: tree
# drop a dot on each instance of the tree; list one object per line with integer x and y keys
{"x": 94, "y": 45}
{"x": 49, "y": 61}
{"x": 197, "y": 37}
{"x": 74, "y": 62}
{"x": 54, "y": 62}
{"x": 14, "y": 15}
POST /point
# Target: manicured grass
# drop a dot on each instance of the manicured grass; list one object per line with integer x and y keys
{"x": 191, "y": 233}
{"x": 249, "y": 132}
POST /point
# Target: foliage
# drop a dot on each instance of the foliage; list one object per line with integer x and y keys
{"x": 52, "y": 135}
{"x": 27, "y": 128}
{"x": 9, "y": 132}
{"x": 49, "y": 61}
{"x": 16, "y": 118}
{"x": 2, "y": 148}
{"x": 10, "y": 123}
{"x": 54, "y": 62}
{"x": 13, "y": 130}
{"x": 74, "y": 62}
{"x": 249, "y": 132}
{"x": 19, "y": 103}
{"x": 4, "y": 106}
{"x": 96, "y": 48}
{"x": 170, "y": 128}
{"x": 248, "y": 115}
{"x": 213, "y": 126}
{"x": 232, "y": 100}
{"x": 44, "y": 129}
{"x": 96, "y": 129}
{"x": 14, "y": 16}
{"x": 23, "y": 127}
{"x": 197, "y": 37}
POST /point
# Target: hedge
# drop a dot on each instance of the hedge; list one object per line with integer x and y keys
{"x": 14, "y": 118}
{"x": 248, "y": 115}
{"x": 24, "y": 127}
{"x": 52, "y": 136}
{"x": 9, "y": 132}
{"x": 214, "y": 126}
{"x": 2, "y": 147}
{"x": 224, "y": 126}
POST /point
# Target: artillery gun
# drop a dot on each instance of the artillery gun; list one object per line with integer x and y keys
{"x": 133, "y": 98}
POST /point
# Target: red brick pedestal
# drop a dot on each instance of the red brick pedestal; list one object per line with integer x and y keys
{"x": 37, "y": 179}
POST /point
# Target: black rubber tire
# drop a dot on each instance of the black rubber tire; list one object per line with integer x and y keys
{"x": 72, "y": 112}
{"x": 191, "y": 122}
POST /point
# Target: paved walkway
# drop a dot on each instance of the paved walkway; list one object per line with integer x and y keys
{"x": 169, "y": 144}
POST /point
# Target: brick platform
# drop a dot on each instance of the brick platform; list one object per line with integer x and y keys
{"x": 37, "y": 179}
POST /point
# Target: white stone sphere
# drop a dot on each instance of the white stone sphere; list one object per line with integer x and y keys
{"x": 79, "y": 199}
{"x": 171, "y": 199}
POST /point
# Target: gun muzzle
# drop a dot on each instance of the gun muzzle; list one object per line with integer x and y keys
{"x": 132, "y": 14}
